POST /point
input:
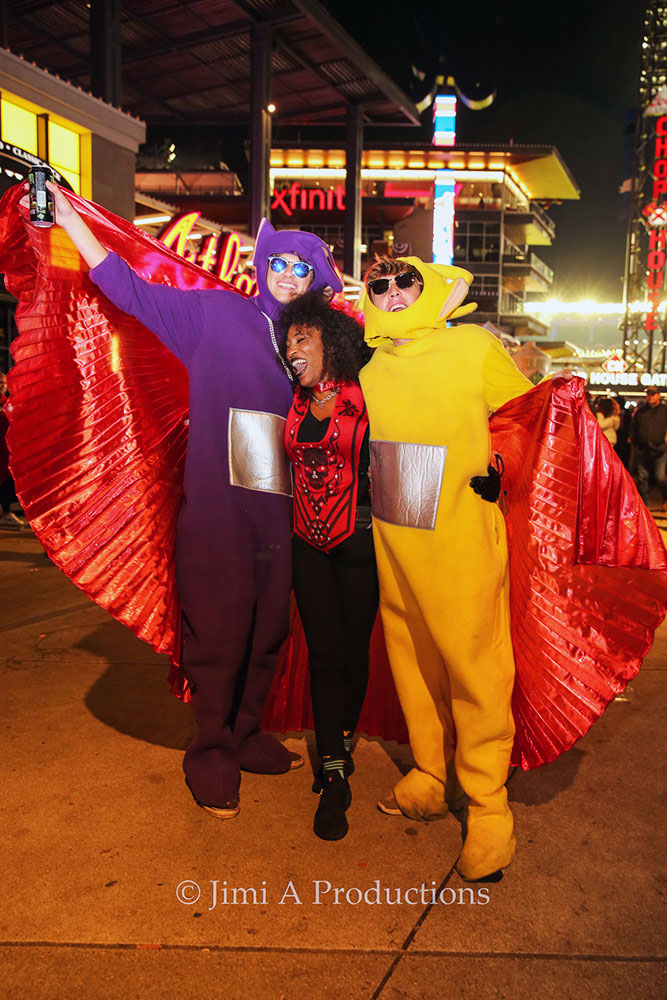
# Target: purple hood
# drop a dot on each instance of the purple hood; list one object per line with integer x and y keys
{"x": 307, "y": 246}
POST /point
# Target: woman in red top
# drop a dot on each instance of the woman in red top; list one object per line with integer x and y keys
{"x": 334, "y": 573}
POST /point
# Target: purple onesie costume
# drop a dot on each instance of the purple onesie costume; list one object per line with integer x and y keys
{"x": 233, "y": 567}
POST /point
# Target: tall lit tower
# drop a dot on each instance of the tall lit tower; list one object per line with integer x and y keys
{"x": 645, "y": 332}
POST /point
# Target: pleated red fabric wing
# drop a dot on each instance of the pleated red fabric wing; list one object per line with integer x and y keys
{"x": 580, "y": 632}
{"x": 97, "y": 415}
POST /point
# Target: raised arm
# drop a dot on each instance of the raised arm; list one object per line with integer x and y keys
{"x": 173, "y": 314}
{"x": 81, "y": 236}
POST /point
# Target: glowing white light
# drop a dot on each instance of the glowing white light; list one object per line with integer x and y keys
{"x": 151, "y": 220}
{"x": 443, "y": 217}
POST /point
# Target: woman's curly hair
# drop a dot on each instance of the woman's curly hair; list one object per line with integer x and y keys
{"x": 345, "y": 351}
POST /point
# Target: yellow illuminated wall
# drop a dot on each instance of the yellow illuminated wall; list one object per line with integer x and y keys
{"x": 65, "y": 153}
{"x": 19, "y": 126}
{"x": 63, "y": 144}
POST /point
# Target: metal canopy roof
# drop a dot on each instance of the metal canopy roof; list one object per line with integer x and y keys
{"x": 188, "y": 61}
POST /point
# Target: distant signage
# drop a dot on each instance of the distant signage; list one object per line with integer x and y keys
{"x": 628, "y": 379}
{"x": 16, "y": 162}
{"x": 444, "y": 120}
{"x": 221, "y": 256}
{"x": 293, "y": 198}
{"x": 655, "y": 262}
{"x": 615, "y": 363}
{"x": 443, "y": 217}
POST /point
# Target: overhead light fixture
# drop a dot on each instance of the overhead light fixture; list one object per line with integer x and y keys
{"x": 270, "y": 108}
{"x": 151, "y": 220}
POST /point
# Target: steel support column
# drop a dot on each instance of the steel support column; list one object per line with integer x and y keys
{"x": 354, "y": 143}
{"x": 105, "y": 51}
{"x": 260, "y": 125}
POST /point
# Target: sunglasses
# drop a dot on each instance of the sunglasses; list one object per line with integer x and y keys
{"x": 300, "y": 269}
{"x": 380, "y": 286}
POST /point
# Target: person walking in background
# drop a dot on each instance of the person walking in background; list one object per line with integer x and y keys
{"x": 622, "y": 446}
{"x": 648, "y": 431}
{"x": 608, "y": 416}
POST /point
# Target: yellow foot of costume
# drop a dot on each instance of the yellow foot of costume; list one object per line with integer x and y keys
{"x": 419, "y": 795}
{"x": 489, "y": 846}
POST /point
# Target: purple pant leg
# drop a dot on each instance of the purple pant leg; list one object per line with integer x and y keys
{"x": 235, "y": 618}
{"x": 261, "y": 752}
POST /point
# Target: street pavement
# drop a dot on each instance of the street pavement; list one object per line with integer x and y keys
{"x": 115, "y": 884}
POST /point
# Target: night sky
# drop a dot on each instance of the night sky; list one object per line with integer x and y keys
{"x": 565, "y": 75}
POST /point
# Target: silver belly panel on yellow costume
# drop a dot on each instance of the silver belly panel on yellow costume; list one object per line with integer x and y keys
{"x": 406, "y": 480}
{"x": 257, "y": 457}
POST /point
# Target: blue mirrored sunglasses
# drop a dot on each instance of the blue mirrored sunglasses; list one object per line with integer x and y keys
{"x": 300, "y": 268}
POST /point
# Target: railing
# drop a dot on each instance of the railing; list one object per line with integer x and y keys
{"x": 545, "y": 219}
{"x": 542, "y": 269}
{"x": 510, "y": 304}
{"x": 513, "y": 254}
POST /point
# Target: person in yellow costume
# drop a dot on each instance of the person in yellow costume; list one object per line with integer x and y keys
{"x": 441, "y": 548}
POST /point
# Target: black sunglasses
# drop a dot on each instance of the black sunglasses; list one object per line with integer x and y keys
{"x": 380, "y": 286}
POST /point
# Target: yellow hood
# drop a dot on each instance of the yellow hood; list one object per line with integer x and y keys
{"x": 445, "y": 288}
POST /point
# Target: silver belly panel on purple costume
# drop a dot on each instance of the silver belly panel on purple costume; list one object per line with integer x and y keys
{"x": 406, "y": 480}
{"x": 257, "y": 456}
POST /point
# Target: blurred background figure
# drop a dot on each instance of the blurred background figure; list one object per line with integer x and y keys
{"x": 649, "y": 450}
{"x": 622, "y": 446}
{"x": 608, "y": 413}
{"x": 7, "y": 492}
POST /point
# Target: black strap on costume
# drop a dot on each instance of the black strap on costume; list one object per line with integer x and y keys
{"x": 488, "y": 487}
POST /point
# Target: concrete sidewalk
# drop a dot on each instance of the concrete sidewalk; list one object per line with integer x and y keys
{"x": 101, "y": 833}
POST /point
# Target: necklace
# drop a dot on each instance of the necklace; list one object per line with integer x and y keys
{"x": 325, "y": 399}
{"x": 275, "y": 347}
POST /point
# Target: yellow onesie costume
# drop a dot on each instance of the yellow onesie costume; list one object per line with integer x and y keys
{"x": 442, "y": 555}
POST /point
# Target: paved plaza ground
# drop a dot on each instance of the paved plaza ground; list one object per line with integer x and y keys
{"x": 99, "y": 833}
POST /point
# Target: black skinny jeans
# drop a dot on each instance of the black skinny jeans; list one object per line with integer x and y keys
{"x": 337, "y": 596}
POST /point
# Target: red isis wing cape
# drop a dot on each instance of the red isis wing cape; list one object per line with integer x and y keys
{"x": 588, "y": 582}
{"x": 97, "y": 439}
{"x": 98, "y": 417}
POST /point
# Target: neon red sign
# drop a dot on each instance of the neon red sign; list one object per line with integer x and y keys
{"x": 215, "y": 255}
{"x": 295, "y": 197}
{"x": 657, "y": 237}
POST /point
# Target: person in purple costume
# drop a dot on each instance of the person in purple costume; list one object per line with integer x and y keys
{"x": 233, "y": 568}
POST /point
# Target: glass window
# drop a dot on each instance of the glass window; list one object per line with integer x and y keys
{"x": 19, "y": 126}
{"x": 64, "y": 155}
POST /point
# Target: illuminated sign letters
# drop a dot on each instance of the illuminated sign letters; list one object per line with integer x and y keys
{"x": 295, "y": 197}
{"x": 226, "y": 257}
{"x": 657, "y": 237}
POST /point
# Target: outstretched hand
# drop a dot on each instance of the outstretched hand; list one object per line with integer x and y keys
{"x": 67, "y": 216}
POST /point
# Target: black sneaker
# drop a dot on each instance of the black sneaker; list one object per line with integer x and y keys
{"x": 348, "y": 768}
{"x": 330, "y": 821}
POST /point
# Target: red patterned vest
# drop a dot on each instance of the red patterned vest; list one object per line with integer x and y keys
{"x": 326, "y": 471}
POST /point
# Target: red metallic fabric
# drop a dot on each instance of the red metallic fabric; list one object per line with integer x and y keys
{"x": 97, "y": 416}
{"x": 97, "y": 439}
{"x": 579, "y": 632}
